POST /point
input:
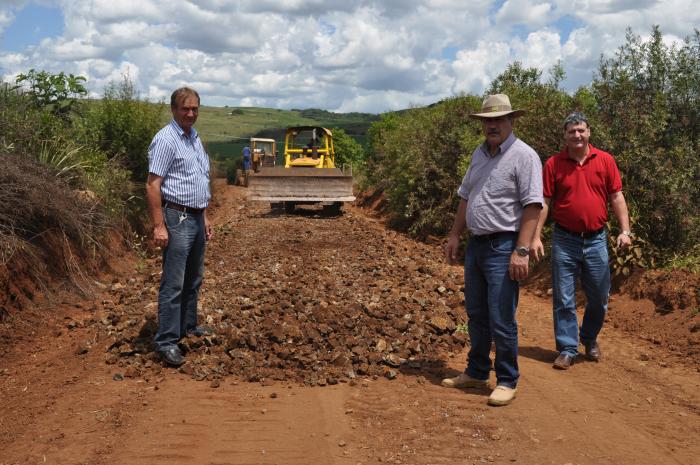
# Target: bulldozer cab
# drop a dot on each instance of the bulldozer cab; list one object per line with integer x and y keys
{"x": 308, "y": 147}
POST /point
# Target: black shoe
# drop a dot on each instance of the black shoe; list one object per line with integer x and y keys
{"x": 172, "y": 356}
{"x": 593, "y": 351}
{"x": 200, "y": 331}
{"x": 564, "y": 361}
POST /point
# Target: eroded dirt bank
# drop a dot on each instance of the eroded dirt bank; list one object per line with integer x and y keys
{"x": 345, "y": 329}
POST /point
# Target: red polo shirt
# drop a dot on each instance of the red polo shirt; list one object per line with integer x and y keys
{"x": 579, "y": 193}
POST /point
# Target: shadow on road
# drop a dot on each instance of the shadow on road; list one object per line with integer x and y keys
{"x": 538, "y": 353}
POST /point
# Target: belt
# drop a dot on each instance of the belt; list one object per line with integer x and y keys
{"x": 492, "y": 236}
{"x": 181, "y": 208}
{"x": 584, "y": 235}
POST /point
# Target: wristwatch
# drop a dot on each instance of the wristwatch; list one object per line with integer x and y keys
{"x": 522, "y": 251}
{"x": 626, "y": 233}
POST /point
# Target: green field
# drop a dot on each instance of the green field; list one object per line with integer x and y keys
{"x": 226, "y": 130}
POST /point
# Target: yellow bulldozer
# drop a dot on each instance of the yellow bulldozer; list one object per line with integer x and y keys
{"x": 309, "y": 174}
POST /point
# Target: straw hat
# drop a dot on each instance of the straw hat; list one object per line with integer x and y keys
{"x": 496, "y": 105}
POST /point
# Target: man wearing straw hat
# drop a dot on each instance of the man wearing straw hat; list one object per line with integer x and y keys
{"x": 501, "y": 199}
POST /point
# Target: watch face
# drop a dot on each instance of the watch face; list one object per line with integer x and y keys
{"x": 522, "y": 251}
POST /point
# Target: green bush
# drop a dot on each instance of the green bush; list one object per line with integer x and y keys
{"x": 647, "y": 99}
{"x": 347, "y": 150}
{"x": 122, "y": 126}
{"x": 56, "y": 93}
{"x": 418, "y": 159}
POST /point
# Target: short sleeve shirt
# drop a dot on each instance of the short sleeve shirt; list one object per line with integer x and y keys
{"x": 183, "y": 164}
{"x": 498, "y": 187}
{"x": 579, "y": 193}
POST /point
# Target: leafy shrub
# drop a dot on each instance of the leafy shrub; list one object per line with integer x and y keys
{"x": 56, "y": 93}
{"x": 122, "y": 126}
{"x": 418, "y": 159}
{"x": 647, "y": 97}
{"x": 347, "y": 150}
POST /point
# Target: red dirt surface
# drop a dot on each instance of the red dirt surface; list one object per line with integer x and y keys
{"x": 78, "y": 384}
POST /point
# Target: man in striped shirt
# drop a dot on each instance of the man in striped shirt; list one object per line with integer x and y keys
{"x": 177, "y": 192}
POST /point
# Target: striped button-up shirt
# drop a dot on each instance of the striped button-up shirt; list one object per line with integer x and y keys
{"x": 183, "y": 164}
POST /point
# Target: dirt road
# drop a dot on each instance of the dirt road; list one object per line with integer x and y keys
{"x": 66, "y": 399}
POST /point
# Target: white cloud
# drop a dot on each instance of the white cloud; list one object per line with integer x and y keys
{"x": 533, "y": 14}
{"x": 368, "y": 55}
{"x": 541, "y": 50}
{"x": 474, "y": 69}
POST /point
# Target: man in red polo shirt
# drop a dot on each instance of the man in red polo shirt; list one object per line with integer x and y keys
{"x": 578, "y": 183}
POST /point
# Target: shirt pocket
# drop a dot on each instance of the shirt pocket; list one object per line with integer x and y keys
{"x": 501, "y": 185}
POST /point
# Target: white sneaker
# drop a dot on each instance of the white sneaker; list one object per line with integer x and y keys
{"x": 465, "y": 381}
{"x": 502, "y": 395}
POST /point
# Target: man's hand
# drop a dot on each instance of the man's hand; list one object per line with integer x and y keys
{"x": 536, "y": 249}
{"x": 623, "y": 241}
{"x": 160, "y": 236}
{"x": 208, "y": 231}
{"x": 452, "y": 250}
{"x": 518, "y": 267}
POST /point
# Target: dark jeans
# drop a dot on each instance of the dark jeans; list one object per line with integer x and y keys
{"x": 183, "y": 270}
{"x": 572, "y": 258}
{"x": 491, "y": 298}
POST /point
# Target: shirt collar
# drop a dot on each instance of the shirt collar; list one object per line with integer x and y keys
{"x": 181, "y": 132}
{"x": 505, "y": 145}
{"x": 592, "y": 152}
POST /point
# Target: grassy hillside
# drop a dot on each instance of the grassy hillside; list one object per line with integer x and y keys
{"x": 227, "y": 130}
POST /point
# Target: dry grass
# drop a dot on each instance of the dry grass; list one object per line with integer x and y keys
{"x": 43, "y": 218}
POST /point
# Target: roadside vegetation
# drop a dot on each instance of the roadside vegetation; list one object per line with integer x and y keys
{"x": 70, "y": 165}
{"x": 643, "y": 108}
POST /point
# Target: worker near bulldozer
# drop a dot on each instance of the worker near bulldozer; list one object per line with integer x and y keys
{"x": 177, "y": 192}
{"x": 246, "y": 159}
{"x": 579, "y": 182}
{"x": 500, "y": 202}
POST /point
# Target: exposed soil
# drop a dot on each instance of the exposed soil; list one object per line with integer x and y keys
{"x": 331, "y": 335}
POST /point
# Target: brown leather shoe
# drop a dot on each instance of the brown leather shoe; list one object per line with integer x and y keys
{"x": 593, "y": 351}
{"x": 564, "y": 361}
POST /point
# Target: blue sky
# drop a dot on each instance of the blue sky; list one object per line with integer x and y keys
{"x": 366, "y": 55}
{"x": 31, "y": 24}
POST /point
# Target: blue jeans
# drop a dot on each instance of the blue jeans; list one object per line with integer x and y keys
{"x": 574, "y": 257}
{"x": 183, "y": 270}
{"x": 491, "y": 298}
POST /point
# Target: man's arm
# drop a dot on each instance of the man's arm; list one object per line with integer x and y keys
{"x": 518, "y": 268}
{"x": 458, "y": 227}
{"x": 154, "y": 199}
{"x": 537, "y": 248}
{"x": 619, "y": 206}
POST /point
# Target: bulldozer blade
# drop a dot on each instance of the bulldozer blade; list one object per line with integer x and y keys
{"x": 279, "y": 184}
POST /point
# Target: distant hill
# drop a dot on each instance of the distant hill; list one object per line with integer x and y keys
{"x": 226, "y": 130}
